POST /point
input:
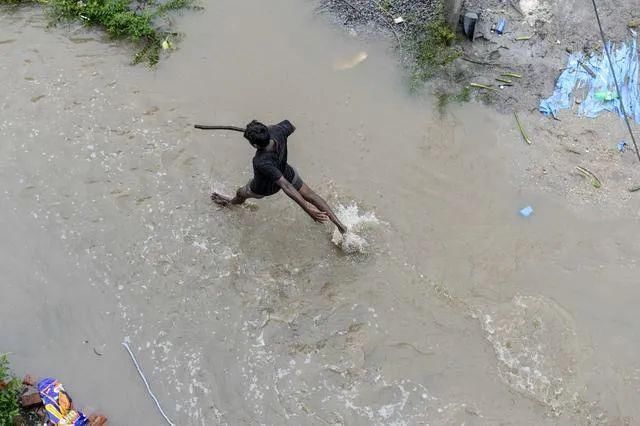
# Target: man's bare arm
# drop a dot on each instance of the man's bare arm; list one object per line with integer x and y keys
{"x": 293, "y": 193}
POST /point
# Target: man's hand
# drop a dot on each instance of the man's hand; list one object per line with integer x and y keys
{"x": 316, "y": 215}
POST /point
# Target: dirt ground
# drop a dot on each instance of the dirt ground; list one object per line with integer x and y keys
{"x": 557, "y": 29}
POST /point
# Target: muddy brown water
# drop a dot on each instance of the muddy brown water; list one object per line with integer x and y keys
{"x": 460, "y": 311}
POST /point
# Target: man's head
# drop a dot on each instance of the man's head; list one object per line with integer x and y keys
{"x": 257, "y": 134}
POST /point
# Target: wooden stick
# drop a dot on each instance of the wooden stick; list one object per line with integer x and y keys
{"x": 587, "y": 173}
{"x": 203, "y": 127}
{"x": 524, "y": 135}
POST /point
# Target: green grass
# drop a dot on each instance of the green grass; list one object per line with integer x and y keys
{"x": 445, "y": 99}
{"x": 433, "y": 48}
{"x": 10, "y": 389}
{"x": 141, "y": 22}
{"x": 386, "y": 5}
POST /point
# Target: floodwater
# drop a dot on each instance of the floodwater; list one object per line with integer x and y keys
{"x": 459, "y": 311}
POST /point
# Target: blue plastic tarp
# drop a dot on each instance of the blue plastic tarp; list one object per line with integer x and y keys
{"x": 625, "y": 64}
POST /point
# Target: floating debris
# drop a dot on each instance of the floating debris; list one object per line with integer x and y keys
{"x": 526, "y": 212}
{"x": 524, "y": 135}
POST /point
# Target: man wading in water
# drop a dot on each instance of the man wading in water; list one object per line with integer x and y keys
{"x": 272, "y": 173}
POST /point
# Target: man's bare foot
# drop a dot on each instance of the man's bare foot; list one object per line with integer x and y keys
{"x": 220, "y": 199}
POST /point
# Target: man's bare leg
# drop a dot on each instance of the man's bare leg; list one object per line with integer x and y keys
{"x": 313, "y": 198}
{"x": 222, "y": 200}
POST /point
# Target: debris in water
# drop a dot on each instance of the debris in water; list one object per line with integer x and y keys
{"x": 524, "y": 135}
{"x": 526, "y": 212}
{"x": 99, "y": 350}
{"x": 350, "y": 62}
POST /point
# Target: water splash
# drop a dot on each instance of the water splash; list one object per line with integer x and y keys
{"x": 356, "y": 222}
{"x": 537, "y": 348}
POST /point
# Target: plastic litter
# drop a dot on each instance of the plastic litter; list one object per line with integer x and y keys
{"x": 58, "y": 405}
{"x": 500, "y": 27}
{"x": 606, "y": 96}
{"x": 146, "y": 383}
{"x": 621, "y": 146}
{"x": 398, "y": 20}
{"x": 526, "y": 212}
{"x": 601, "y": 95}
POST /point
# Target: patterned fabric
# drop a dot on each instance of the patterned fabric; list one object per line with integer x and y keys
{"x": 58, "y": 404}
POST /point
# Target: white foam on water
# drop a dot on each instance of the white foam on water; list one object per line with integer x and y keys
{"x": 535, "y": 343}
{"x": 356, "y": 222}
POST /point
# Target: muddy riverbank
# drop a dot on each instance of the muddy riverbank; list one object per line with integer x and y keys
{"x": 461, "y": 310}
{"x": 536, "y": 44}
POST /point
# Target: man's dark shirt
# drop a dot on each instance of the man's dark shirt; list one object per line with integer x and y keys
{"x": 269, "y": 166}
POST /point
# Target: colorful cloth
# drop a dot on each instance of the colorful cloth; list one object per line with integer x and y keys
{"x": 58, "y": 404}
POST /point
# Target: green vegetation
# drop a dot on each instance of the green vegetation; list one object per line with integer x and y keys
{"x": 143, "y": 23}
{"x": 385, "y": 5}
{"x": 433, "y": 48}
{"x": 445, "y": 99}
{"x": 10, "y": 389}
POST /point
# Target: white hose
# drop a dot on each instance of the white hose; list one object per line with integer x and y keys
{"x": 144, "y": 379}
